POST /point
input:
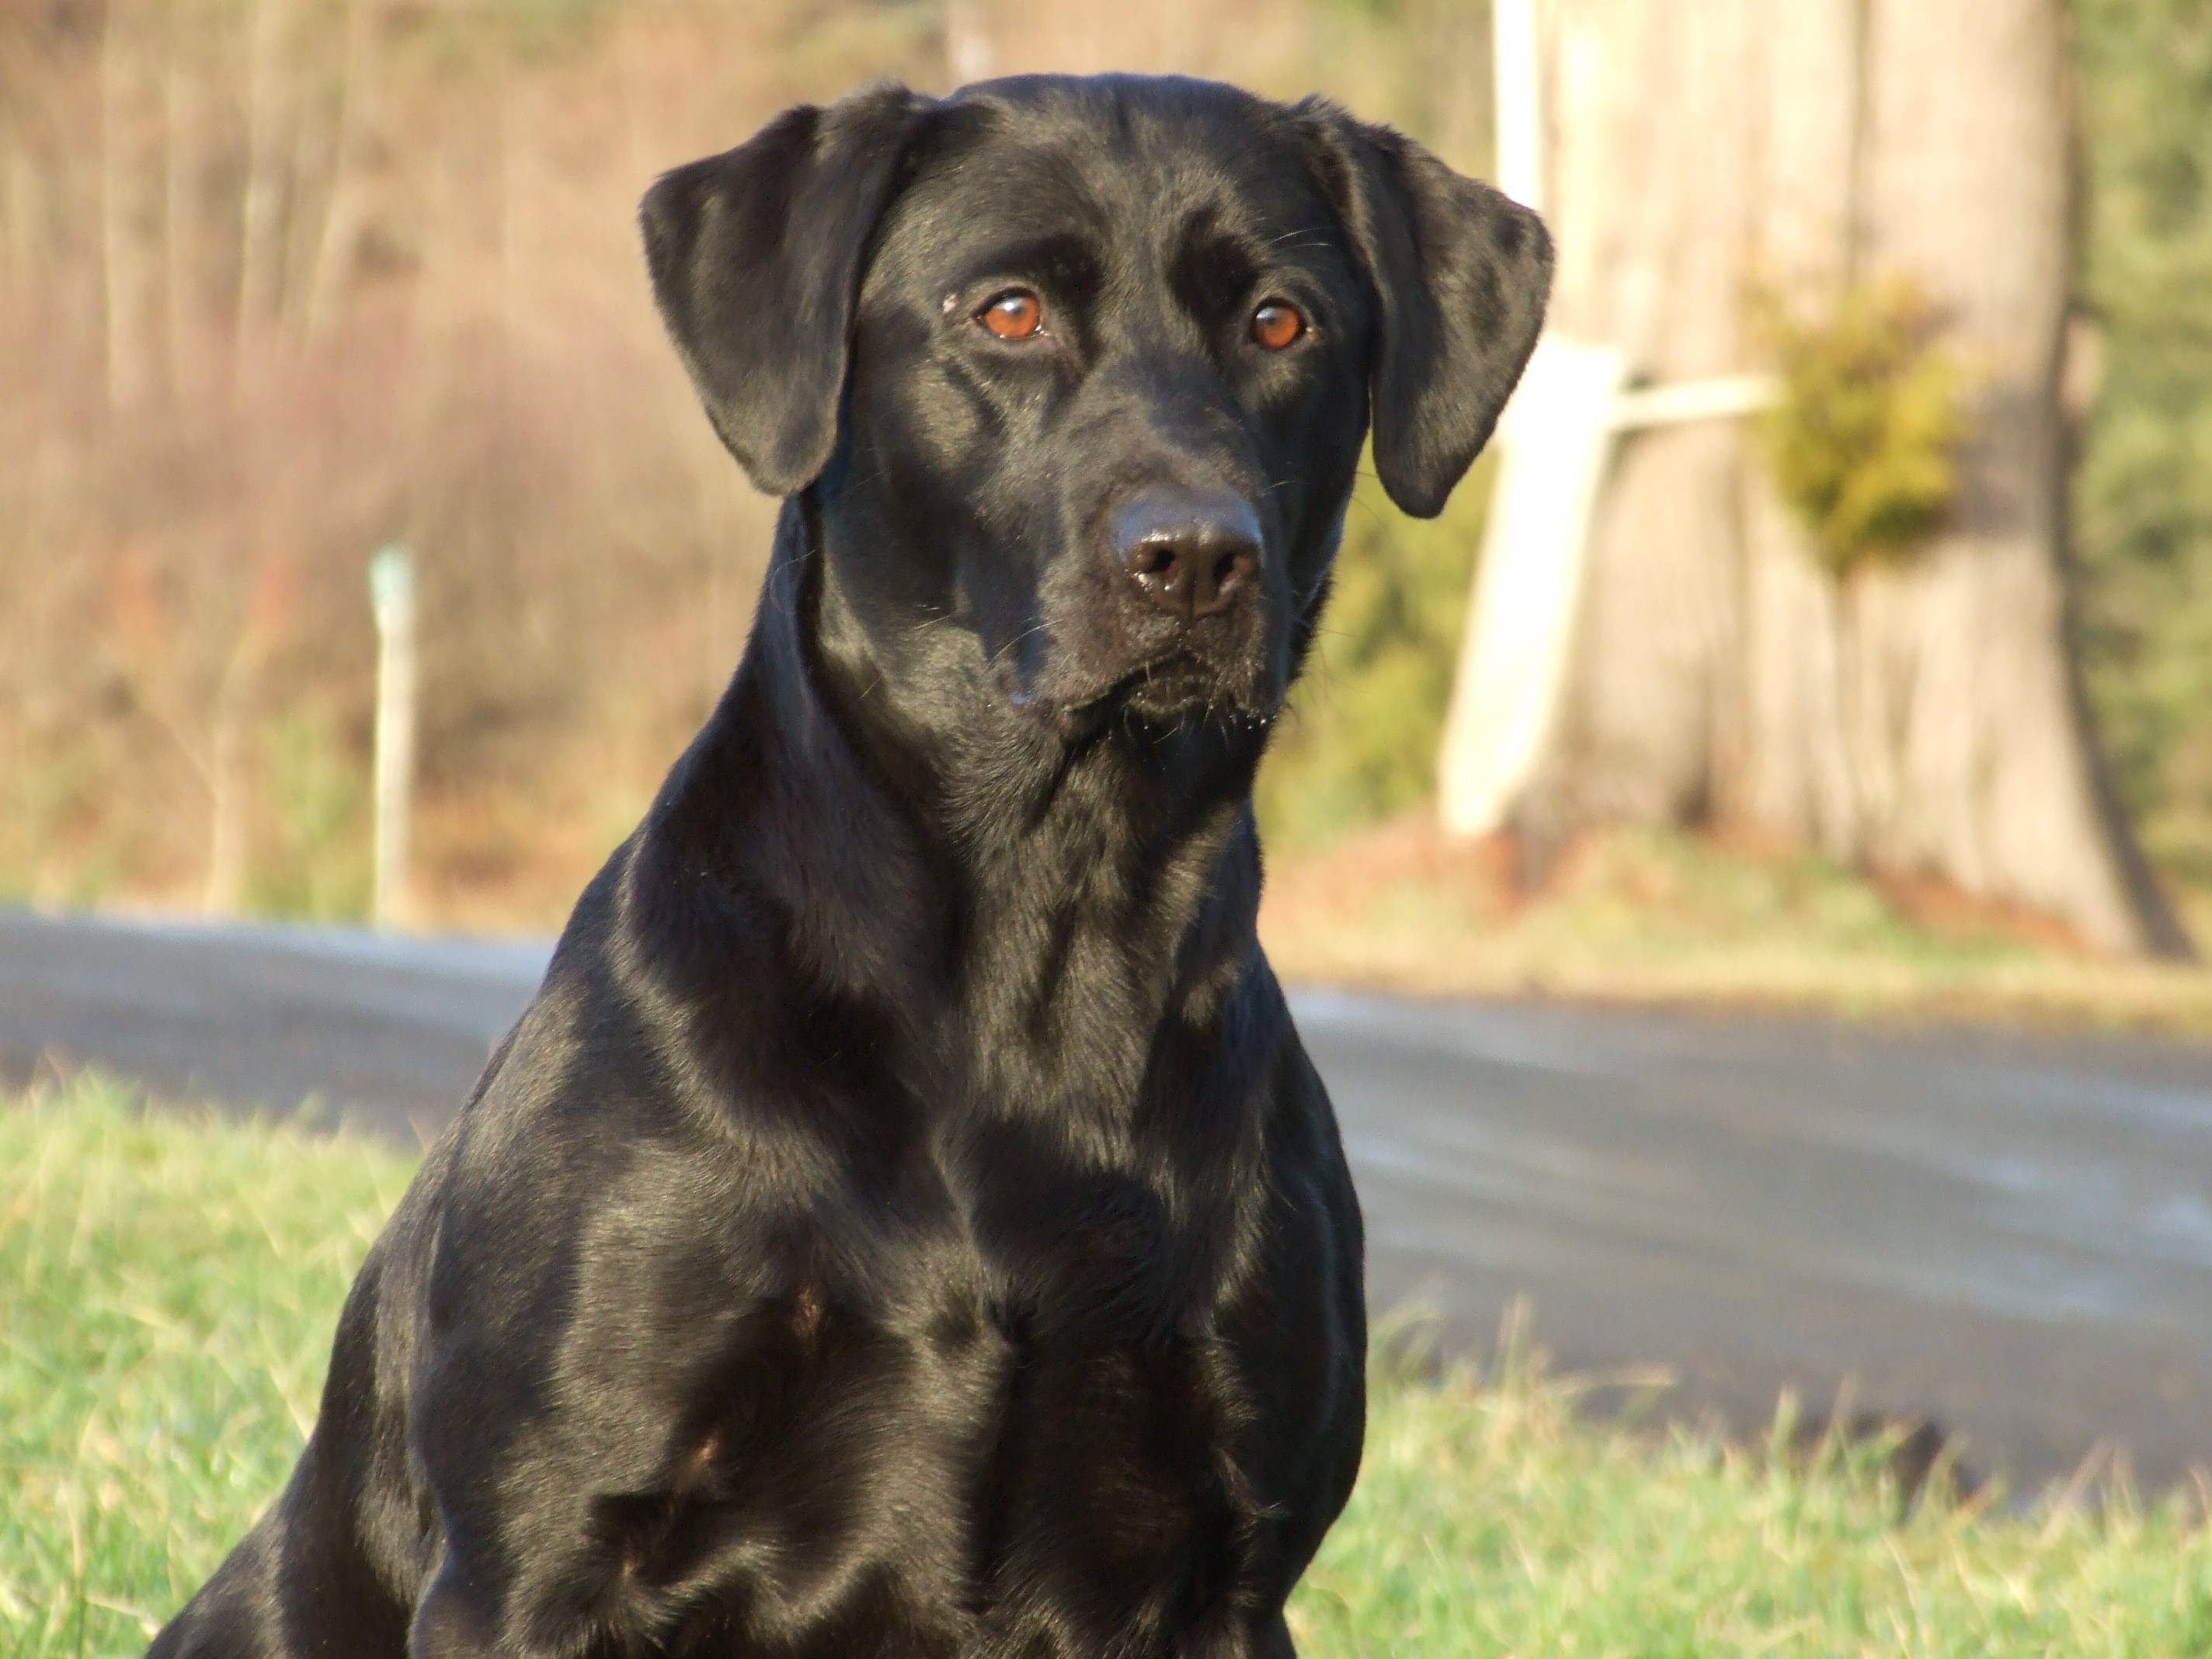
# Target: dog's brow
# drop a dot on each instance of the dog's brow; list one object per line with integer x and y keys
{"x": 1211, "y": 268}
{"x": 1064, "y": 260}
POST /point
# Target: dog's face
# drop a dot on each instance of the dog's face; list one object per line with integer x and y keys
{"x": 1109, "y": 368}
{"x": 1079, "y": 370}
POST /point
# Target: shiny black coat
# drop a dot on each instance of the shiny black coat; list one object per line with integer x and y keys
{"x": 906, "y": 1223}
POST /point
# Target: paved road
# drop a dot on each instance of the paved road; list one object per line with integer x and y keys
{"x": 2010, "y": 1234}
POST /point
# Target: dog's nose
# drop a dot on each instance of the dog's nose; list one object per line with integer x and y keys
{"x": 1191, "y": 551}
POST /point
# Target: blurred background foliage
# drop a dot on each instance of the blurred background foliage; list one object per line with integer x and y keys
{"x": 280, "y": 280}
{"x": 2143, "y": 496}
{"x": 1359, "y": 742}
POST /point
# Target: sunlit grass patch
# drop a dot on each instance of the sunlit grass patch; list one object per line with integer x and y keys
{"x": 1490, "y": 1519}
{"x": 167, "y": 1284}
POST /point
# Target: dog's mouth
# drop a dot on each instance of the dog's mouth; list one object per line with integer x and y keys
{"x": 1178, "y": 687}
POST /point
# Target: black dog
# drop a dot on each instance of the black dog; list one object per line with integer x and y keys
{"x": 906, "y": 1223}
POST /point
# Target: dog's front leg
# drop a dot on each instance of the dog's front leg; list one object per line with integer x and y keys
{"x": 459, "y": 1618}
{"x": 452, "y": 1624}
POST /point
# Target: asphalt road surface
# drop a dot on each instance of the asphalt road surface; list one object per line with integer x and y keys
{"x": 2010, "y": 1235}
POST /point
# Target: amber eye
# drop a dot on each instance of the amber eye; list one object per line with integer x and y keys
{"x": 1014, "y": 315}
{"x": 1276, "y": 325}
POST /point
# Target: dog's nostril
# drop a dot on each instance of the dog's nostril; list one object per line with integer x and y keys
{"x": 1190, "y": 553}
{"x": 1152, "y": 558}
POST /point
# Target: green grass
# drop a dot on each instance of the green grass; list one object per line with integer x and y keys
{"x": 167, "y": 1284}
{"x": 1489, "y": 1521}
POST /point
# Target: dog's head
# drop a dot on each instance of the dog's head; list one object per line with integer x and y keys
{"x": 1079, "y": 370}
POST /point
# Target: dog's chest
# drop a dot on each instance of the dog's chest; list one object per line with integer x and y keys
{"x": 918, "y": 1454}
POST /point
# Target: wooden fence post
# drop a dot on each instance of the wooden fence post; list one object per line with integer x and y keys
{"x": 392, "y": 595}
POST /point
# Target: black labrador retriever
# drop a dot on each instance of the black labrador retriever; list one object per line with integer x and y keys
{"x": 906, "y": 1223}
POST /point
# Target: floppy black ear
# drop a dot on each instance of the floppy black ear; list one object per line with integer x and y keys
{"x": 1462, "y": 273}
{"x": 756, "y": 256}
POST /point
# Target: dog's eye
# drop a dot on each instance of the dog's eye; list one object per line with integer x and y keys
{"x": 1276, "y": 325}
{"x": 1014, "y": 315}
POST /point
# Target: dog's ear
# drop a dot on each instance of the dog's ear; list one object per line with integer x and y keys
{"x": 1462, "y": 274}
{"x": 756, "y": 257}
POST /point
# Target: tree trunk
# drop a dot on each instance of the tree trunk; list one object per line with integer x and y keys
{"x": 262, "y": 201}
{"x": 183, "y": 141}
{"x": 122, "y": 209}
{"x": 1919, "y": 717}
{"x": 341, "y": 218}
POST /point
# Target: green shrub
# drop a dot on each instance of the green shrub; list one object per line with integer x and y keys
{"x": 1359, "y": 741}
{"x": 1863, "y": 442}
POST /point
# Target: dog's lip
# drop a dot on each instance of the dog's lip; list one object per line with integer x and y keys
{"x": 1084, "y": 701}
{"x": 1070, "y": 712}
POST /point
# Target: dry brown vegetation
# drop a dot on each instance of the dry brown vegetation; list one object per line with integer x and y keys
{"x": 282, "y": 280}
{"x": 1647, "y": 915}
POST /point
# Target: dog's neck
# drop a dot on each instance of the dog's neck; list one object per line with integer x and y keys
{"x": 1008, "y": 892}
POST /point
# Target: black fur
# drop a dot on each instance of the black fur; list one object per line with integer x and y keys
{"x": 906, "y": 1223}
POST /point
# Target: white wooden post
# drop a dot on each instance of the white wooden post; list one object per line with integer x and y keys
{"x": 1558, "y": 440}
{"x": 1516, "y": 82}
{"x": 1553, "y": 441}
{"x": 392, "y": 595}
